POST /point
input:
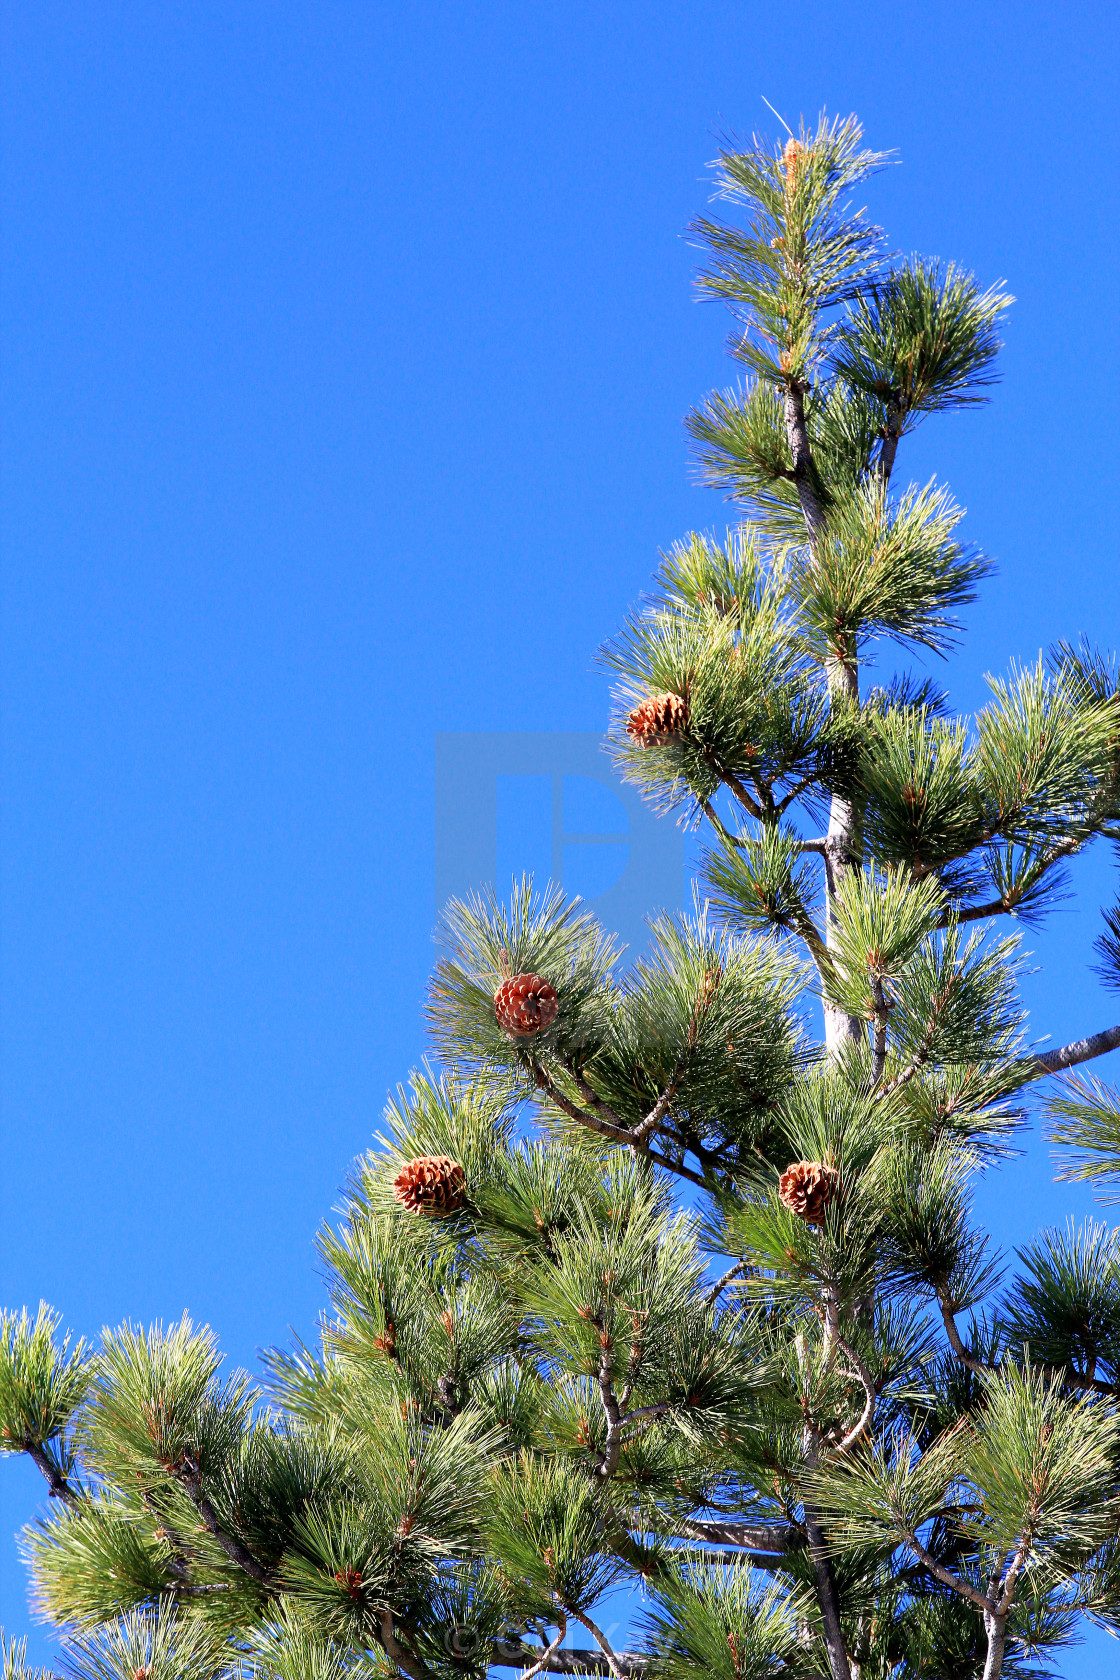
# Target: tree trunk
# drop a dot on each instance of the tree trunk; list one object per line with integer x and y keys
{"x": 827, "y": 1597}
{"x": 843, "y": 853}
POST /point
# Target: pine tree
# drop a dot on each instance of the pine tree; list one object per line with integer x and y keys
{"x": 642, "y": 1285}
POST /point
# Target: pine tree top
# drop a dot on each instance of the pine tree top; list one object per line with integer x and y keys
{"x": 644, "y": 1283}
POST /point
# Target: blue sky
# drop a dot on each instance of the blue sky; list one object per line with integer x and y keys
{"x": 345, "y": 354}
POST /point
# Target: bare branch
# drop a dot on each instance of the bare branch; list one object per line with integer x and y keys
{"x": 657, "y": 1113}
{"x": 892, "y": 431}
{"x": 730, "y": 780}
{"x": 1081, "y": 1050}
{"x": 879, "y": 1037}
{"x": 801, "y": 458}
{"x": 1012, "y": 1575}
{"x": 613, "y": 1665}
{"x": 867, "y": 1382}
{"x": 720, "y": 827}
{"x": 798, "y": 787}
{"x": 592, "y": 1098}
{"x": 1070, "y": 1377}
{"x": 395, "y": 1650}
{"x": 976, "y": 912}
{"x": 678, "y": 1168}
{"x": 779, "y": 1538}
{"x": 729, "y": 1276}
{"x": 506, "y": 1653}
{"x": 605, "y": 1128}
{"x": 542, "y": 1662}
{"x": 947, "y": 1578}
{"x": 969, "y": 1360}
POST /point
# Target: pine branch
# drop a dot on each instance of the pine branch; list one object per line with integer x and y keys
{"x": 729, "y": 1276}
{"x": 977, "y": 912}
{"x": 996, "y": 1629}
{"x": 657, "y": 1113}
{"x": 879, "y": 1041}
{"x": 721, "y": 829}
{"x": 608, "y": 1464}
{"x": 1007, "y": 904}
{"x": 981, "y": 1367}
{"x": 177, "y": 1563}
{"x": 190, "y": 1481}
{"x": 679, "y": 1168}
{"x": 867, "y": 1382}
{"x": 59, "y": 1487}
{"x": 778, "y": 1538}
{"x": 730, "y": 780}
{"x": 801, "y": 455}
{"x": 948, "y": 1579}
{"x": 787, "y": 799}
{"x": 823, "y": 1578}
{"x": 542, "y": 1662}
{"x": 396, "y": 1651}
{"x": 591, "y": 1097}
{"x": 612, "y": 1128}
{"x": 1011, "y": 1575}
{"x": 892, "y": 431}
{"x": 1081, "y": 1050}
{"x": 613, "y": 1665}
{"x": 506, "y": 1653}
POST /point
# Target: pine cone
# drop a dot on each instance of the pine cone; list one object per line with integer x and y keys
{"x": 431, "y": 1184}
{"x": 525, "y": 1005}
{"x": 658, "y": 720}
{"x": 806, "y": 1188}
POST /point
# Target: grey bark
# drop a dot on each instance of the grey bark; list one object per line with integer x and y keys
{"x": 996, "y": 1629}
{"x": 1081, "y": 1050}
{"x": 842, "y": 846}
{"x": 827, "y": 1599}
{"x": 778, "y": 1538}
{"x": 511, "y": 1653}
{"x": 841, "y": 852}
{"x": 801, "y": 458}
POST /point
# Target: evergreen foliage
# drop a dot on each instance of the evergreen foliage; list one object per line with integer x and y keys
{"x": 651, "y": 1289}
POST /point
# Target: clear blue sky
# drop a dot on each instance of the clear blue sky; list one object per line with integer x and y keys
{"x": 346, "y": 348}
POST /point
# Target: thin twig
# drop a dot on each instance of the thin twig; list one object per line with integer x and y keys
{"x": 550, "y": 1650}
{"x": 864, "y": 1376}
{"x": 717, "y": 1289}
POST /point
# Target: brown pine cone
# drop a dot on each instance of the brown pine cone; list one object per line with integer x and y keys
{"x": 806, "y": 1188}
{"x": 431, "y": 1184}
{"x": 525, "y": 1005}
{"x": 658, "y": 720}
